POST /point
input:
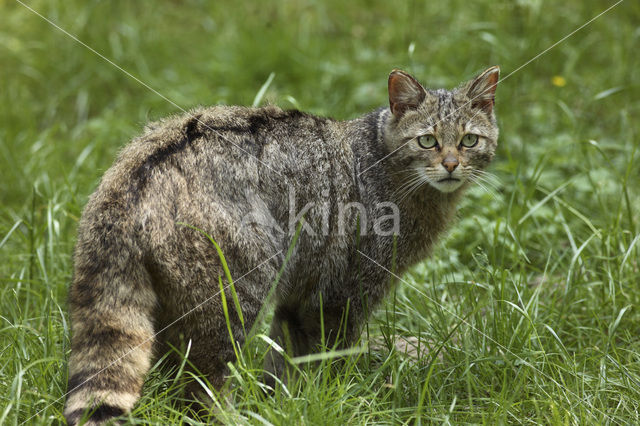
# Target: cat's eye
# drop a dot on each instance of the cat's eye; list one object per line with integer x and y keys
{"x": 427, "y": 141}
{"x": 469, "y": 140}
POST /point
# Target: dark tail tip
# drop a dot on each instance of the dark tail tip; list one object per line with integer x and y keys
{"x": 99, "y": 415}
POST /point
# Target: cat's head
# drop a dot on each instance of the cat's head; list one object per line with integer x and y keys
{"x": 442, "y": 137}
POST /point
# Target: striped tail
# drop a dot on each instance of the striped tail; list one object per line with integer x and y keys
{"x": 111, "y": 304}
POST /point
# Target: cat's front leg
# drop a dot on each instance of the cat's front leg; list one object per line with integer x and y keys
{"x": 307, "y": 328}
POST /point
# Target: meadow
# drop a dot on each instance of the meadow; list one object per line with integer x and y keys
{"x": 527, "y": 313}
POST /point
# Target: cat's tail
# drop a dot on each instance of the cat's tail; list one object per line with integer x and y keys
{"x": 111, "y": 302}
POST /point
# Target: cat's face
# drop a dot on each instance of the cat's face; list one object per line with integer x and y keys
{"x": 440, "y": 137}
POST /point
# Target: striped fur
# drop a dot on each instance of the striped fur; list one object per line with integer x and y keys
{"x": 138, "y": 270}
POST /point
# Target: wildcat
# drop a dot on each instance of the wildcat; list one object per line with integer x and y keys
{"x": 139, "y": 270}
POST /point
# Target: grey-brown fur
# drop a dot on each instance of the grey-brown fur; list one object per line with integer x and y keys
{"x": 137, "y": 269}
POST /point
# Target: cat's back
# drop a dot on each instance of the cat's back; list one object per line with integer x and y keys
{"x": 215, "y": 161}
{"x": 216, "y": 144}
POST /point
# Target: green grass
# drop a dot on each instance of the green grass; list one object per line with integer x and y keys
{"x": 529, "y": 310}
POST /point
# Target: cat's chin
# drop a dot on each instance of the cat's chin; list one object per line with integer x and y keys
{"x": 447, "y": 185}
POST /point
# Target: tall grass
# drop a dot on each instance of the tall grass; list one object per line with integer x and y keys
{"x": 527, "y": 313}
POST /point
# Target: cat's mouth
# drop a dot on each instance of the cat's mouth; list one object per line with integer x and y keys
{"x": 448, "y": 184}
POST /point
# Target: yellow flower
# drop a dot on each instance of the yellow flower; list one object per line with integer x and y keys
{"x": 558, "y": 80}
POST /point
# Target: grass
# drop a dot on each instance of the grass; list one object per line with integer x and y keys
{"x": 528, "y": 311}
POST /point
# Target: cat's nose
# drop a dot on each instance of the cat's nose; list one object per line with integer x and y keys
{"x": 450, "y": 163}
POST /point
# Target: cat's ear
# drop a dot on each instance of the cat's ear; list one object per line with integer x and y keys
{"x": 482, "y": 89}
{"x": 405, "y": 93}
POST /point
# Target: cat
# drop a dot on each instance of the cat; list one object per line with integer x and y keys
{"x": 142, "y": 266}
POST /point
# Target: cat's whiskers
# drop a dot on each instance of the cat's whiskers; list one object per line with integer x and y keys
{"x": 480, "y": 185}
{"x": 487, "y": 174}
{"x": 413, "y": 188}
{"x": 406, "y": 181}
{"x": 417, "y": 188}
{"x": 409, "y": 177}
{"x": 399, "y": 192}
{"x": 484, "y": 185}
{"x": 487, "y": 178}
{"x": 403, "y": 188}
